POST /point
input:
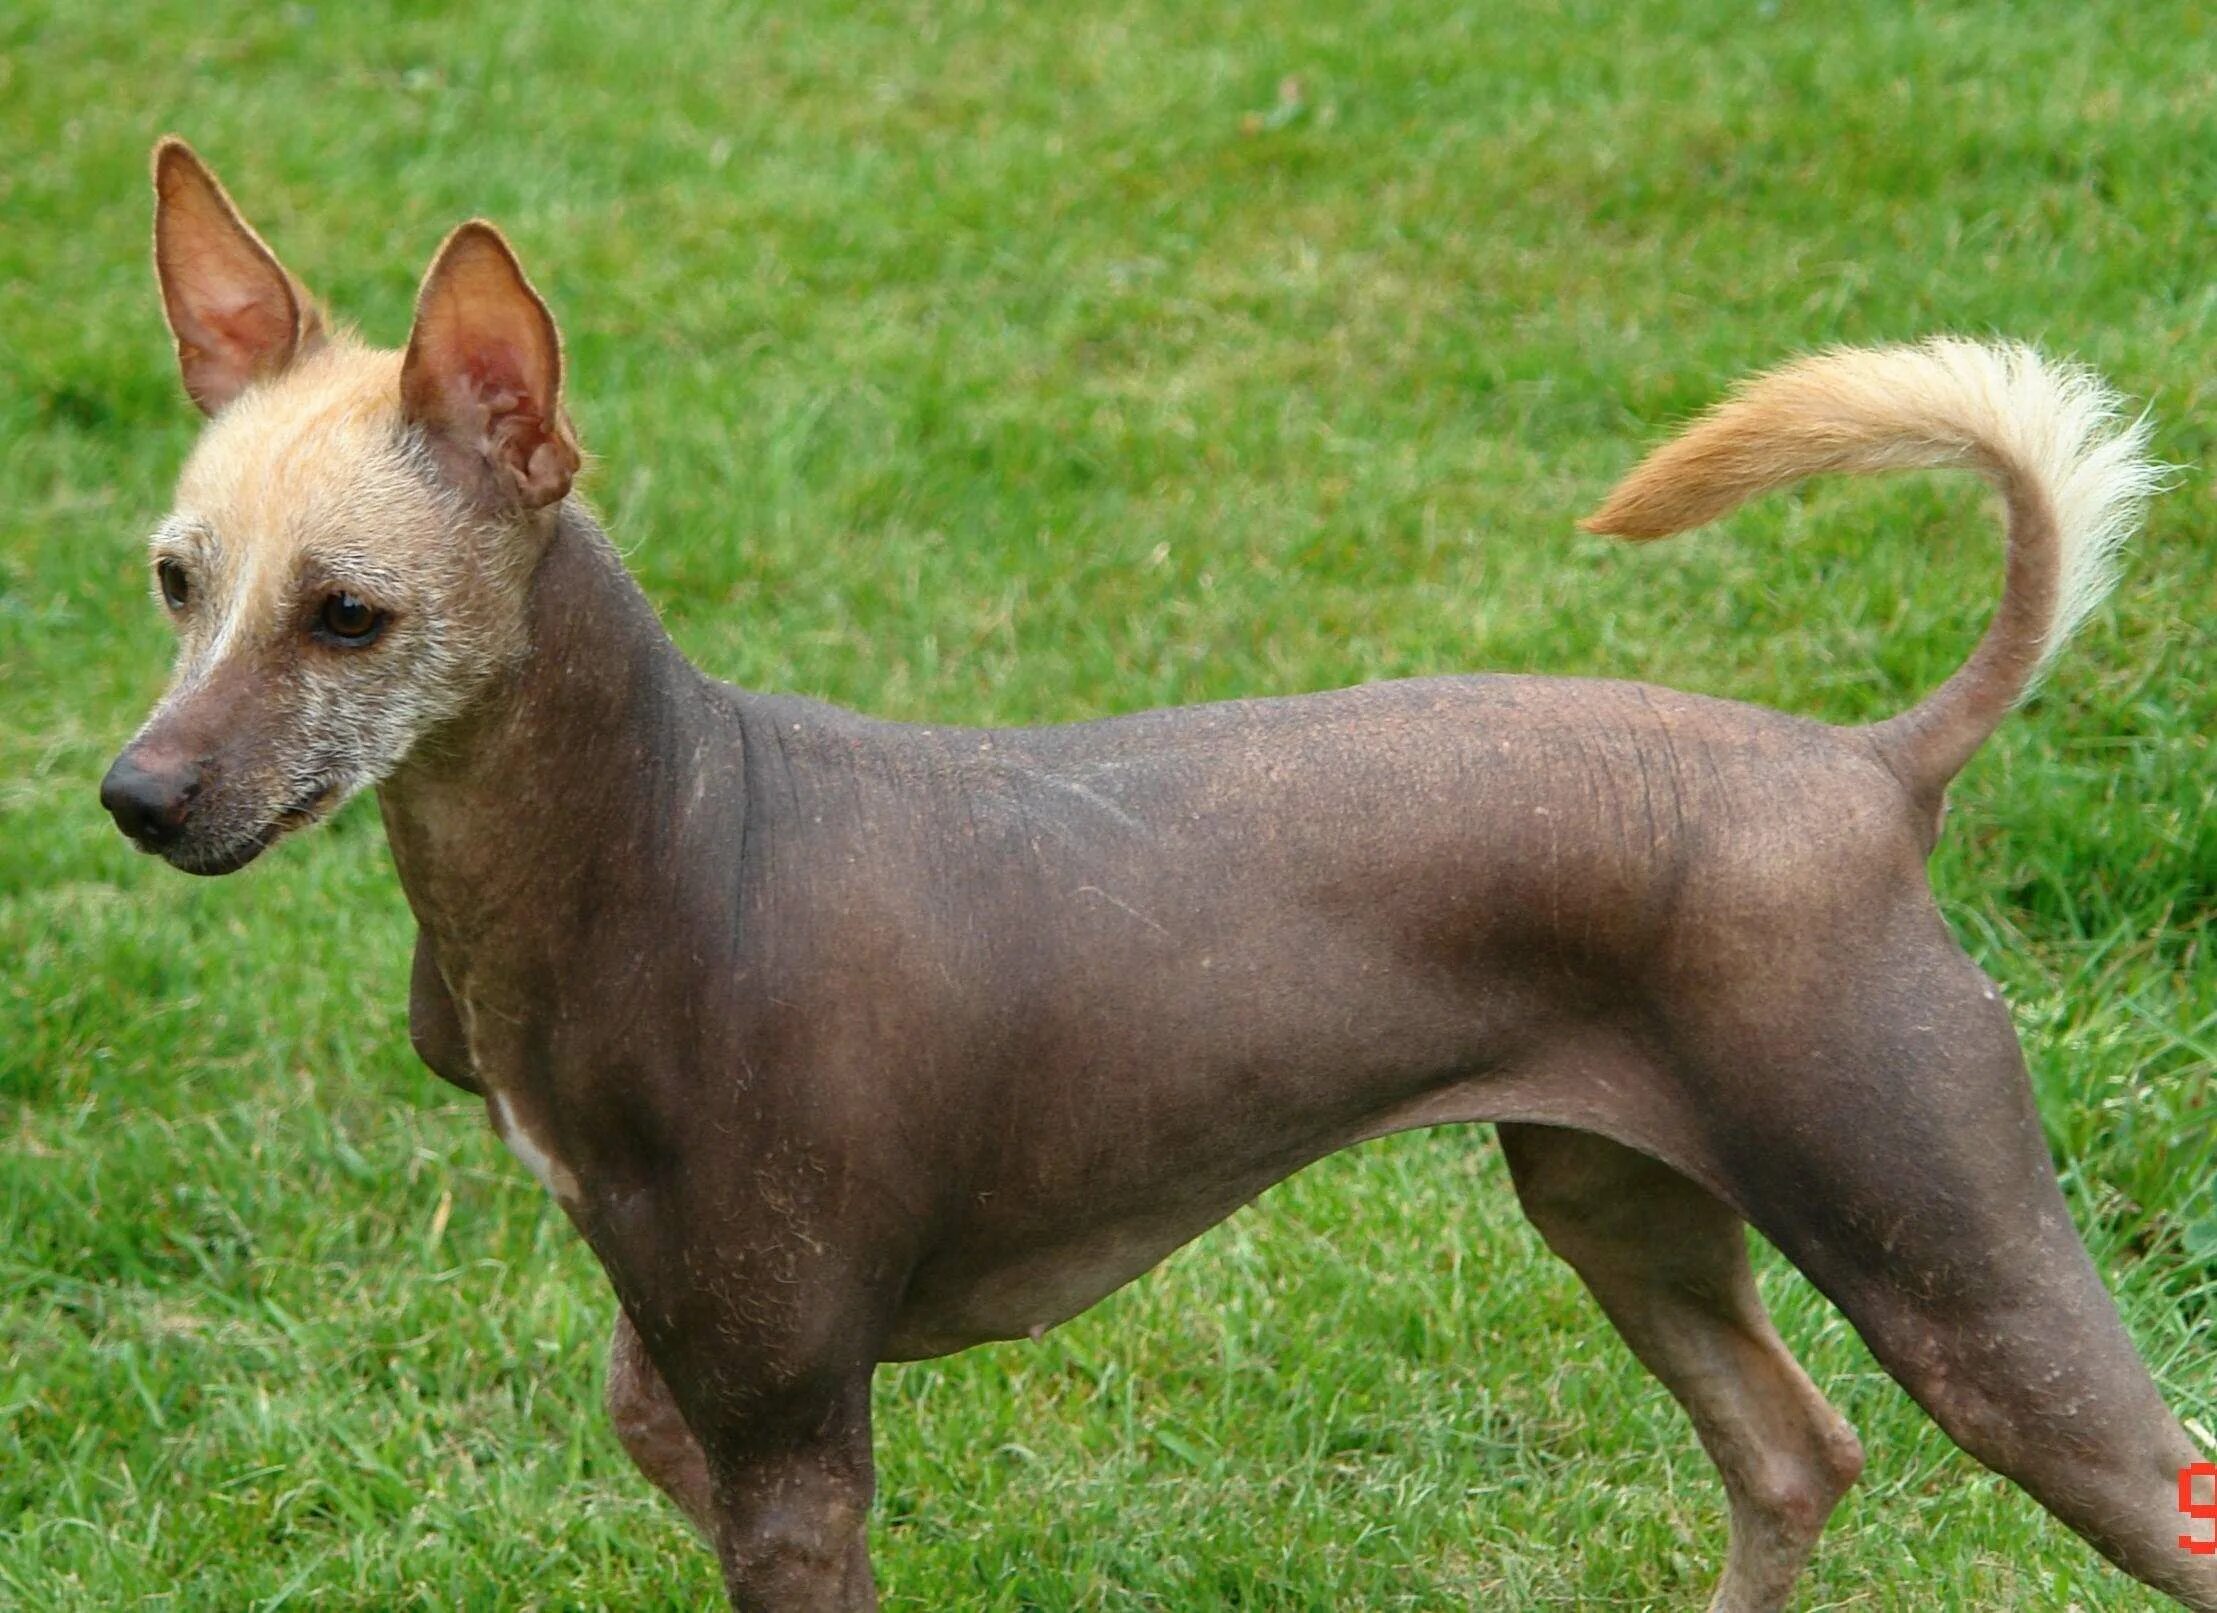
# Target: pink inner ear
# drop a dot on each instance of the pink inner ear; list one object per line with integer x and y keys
{"x": 483, "y": 371}
{"x": 495, "y": 380}
{"x": 250, "y": 322}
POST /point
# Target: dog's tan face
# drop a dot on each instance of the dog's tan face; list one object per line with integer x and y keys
{"x": 347, "y": 561}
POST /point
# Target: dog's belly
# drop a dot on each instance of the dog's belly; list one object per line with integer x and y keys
{"x": 1017, "y": 1277}
{"x": 1037, "y": 1264}
{"x": 952, "y": 1309}
{"x": 1062, "y": 1226}
{"x": 997, "y": 1283}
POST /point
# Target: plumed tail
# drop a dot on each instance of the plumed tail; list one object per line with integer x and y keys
{"x": 2073, "y": 472}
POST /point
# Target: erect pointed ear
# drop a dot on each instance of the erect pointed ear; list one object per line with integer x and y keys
{"x": 236, "y": 314}
{"x": 483, "y": 375}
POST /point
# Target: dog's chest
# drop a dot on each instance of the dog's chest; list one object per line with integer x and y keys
{"x": 518, "y": 1121}
{"x": 531, "y": 1147}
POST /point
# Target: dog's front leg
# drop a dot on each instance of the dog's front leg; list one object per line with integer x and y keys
{"x": 739, "y": 1378}
{"x": 653, "y": 1430}
{"x": 785, "y": 1501}
{"x": 790, "y": 1493}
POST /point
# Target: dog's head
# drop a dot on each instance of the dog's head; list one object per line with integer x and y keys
{"x": 347, "y": 560}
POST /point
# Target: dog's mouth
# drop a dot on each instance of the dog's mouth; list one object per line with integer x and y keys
{"x": 304, "y": 810}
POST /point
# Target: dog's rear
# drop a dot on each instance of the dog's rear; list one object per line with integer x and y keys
{"x": 2048, "y": 435}
{"x": 1913, "y": 1183}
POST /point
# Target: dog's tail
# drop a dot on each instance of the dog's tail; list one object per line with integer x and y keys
{"x": 2074, "y": 474}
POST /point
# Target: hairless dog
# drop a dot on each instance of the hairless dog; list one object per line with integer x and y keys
{"x": 844, "y": 1041}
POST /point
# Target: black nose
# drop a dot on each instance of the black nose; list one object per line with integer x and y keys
{"x": 150, "y": 807}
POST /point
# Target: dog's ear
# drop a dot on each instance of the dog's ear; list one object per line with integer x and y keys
{"x": 483, "y": 375}
{"x": 237, "y": 315}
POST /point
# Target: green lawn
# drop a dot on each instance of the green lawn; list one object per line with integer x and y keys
{"x": 1026, "y": 365}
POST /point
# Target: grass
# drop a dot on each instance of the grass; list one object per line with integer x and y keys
{"x": 1030, "y": 365}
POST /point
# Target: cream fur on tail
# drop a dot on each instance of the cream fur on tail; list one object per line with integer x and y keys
{"x": 2052, "y": 436}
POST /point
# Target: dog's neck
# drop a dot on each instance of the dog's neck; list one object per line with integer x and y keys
{"x": 561, "y": 795}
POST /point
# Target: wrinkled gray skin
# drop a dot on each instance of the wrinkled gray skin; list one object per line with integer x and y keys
{"x": 867, "y": 1042}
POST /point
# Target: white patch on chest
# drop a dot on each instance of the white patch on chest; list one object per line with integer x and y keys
{"x": 556, "y": 1177}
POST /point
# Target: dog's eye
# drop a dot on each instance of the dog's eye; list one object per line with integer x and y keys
{"x": 349, "y": 620}
{"x": 176, "y": 587}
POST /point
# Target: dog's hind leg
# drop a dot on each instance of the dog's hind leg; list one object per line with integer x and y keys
{"x": 1668, "y": 1263}
{"x": 654, "y": 1435}
{"x": 1874, "y": 1120}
